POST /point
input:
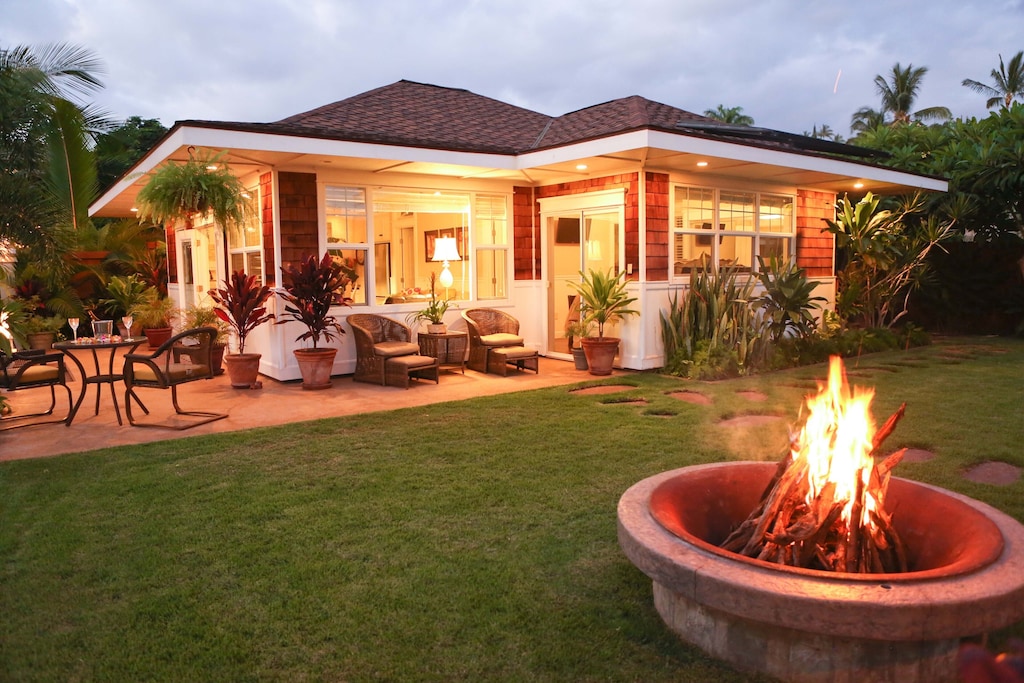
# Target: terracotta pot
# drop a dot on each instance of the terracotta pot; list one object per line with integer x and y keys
{"x": 315, "y": 366}
{"x": 243, "y": 369}
{"x": 438, "y": 328}
{"x": 600, "y": 353}
{"x": 157, "y": 335}
{"x": 41, "y": 340}
{"x": 217, "y": 358}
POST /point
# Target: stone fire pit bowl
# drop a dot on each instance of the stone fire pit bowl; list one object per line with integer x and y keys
{"x": 966, "y": 578}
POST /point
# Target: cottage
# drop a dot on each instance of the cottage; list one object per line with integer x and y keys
{"x": 527, "y": 201}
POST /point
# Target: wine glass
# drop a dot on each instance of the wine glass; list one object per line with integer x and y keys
{"x": 128, "y": 320}
{"x": 73, "y": 322}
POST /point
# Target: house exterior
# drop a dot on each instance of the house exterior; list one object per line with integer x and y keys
{"x": 531, "y": 200}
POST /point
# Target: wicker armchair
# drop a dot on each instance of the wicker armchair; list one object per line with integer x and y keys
{"x": 33, "y": 369}
{"x": 185, "y": 357}
{"x": 489, "y": 329}
{"x": 377, "y": 339}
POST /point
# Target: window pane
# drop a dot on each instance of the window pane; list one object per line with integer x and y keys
{"x": 688, "y": 251}
{"x": 776, "y": 214}
{"x": 491, "y": 220}
{"x": 346, "y": 215}
{"x": 695, "y": 208}
{"x": 354, "y": 258}
{"x": 736, "y": 249}
{"x": 491, "y": 272}
{"x": 778, "y": 247}
{"x": 248, "y": 262}
{"x": 736, "y": 211}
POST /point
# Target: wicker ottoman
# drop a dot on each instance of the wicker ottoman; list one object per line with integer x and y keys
{"x": 400, "y": 369}
{"x": 519, "y": 357}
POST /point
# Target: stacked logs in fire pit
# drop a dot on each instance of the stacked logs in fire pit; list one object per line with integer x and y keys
{"x": 810, "y": 516}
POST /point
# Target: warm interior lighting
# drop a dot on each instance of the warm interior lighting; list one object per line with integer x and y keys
{"x": 446, "y": 249}
{"x": 593, "y": 250}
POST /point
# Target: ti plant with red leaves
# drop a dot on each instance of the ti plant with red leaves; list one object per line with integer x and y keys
{"x": 309, "y": 289}
{"x": 241, "y": 303}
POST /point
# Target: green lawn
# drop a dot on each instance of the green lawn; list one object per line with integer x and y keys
{"x": 465, "y": 541}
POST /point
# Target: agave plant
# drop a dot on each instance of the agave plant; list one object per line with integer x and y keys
{"x": 787, "y": 302}
{"x": 241, "y": 303}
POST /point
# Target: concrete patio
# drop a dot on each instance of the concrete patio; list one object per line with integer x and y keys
{"x": 276, "y": 403}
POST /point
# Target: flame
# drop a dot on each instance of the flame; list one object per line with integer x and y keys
{"x": 835, "y": 443}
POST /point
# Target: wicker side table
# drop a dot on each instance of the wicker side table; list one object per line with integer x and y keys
{"x": 449, "y": 348}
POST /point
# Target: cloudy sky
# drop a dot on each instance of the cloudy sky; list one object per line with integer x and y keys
{"x": 790, "y": 64}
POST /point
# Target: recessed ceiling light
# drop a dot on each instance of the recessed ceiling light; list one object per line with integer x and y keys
{"x": 858, "y": 185}
{"x": 135, "y": 209}
{"x": 581, "y": 167}
{"x": 211, "y": 167}
{"x": 702, "y": 164}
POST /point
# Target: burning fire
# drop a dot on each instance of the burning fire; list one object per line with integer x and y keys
{"x": 836, "y": 442}
{"x": 824, "y": 509}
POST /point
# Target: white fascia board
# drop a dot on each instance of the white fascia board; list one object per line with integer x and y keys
{"x": 269, "y": 142}
{"x": 144, "y": 165}
{"x": 686, "y": 144}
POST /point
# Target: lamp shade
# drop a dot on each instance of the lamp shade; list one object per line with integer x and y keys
{"x": 446, "y": 249}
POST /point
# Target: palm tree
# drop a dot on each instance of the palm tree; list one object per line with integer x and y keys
{"x": 899, "y": 92}
{"x": 47, "y": 174}
{"x": 1008, "y": 82}
{"x": 866, "y": 119}
{"x": 733, "y": 115}
{"x": 824, "y": 132}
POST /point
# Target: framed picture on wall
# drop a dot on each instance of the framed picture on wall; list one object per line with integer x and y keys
{"x": 429, "y": 237}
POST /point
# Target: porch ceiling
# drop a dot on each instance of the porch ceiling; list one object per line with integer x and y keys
{"x": 560, "y": 165}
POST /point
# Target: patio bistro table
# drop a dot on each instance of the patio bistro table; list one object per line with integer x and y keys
{"x": 98, "y": 377}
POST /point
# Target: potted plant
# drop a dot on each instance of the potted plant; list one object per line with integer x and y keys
{"x": 309, "y": 289}
{"x": 206, "y": 316}
{"x": 578, "y": 330}
{"x": 433, "y": 314}
{"x": 155, "y": 314}
{"x": 40, "y": 331}
{"x": 124, "y": 292}
{"x": 603, "y": 300}
{"x": 241, "y": 303}
{"x": 199, "y": 186}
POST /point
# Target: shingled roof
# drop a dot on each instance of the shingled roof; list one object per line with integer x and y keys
{"x": 413, "y": 114}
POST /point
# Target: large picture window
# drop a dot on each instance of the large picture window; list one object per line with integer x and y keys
{"x": 390, "y": 236}
{"x": 729, "y": 227}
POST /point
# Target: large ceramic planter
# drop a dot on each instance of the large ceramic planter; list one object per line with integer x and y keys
{"x": 600, "y": 353}
{"x": 243, "y": 369}
{"x": 315, "y": 365}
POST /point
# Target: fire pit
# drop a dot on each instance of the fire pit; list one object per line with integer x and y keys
{"x": 825, "y": 568}
{"x": 966, "y": 578}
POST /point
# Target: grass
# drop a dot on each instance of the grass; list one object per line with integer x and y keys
{"x": 466, "y": 541}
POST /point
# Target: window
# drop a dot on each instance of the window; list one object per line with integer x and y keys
{"x": 490, "y": 237}
{"x": 245, "y": 242}
{"x": 389, "y": 236}
{"x": 729, "y": 227}
{"x": 345, "y": 213}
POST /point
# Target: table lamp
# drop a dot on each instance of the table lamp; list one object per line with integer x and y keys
{"x": 445, "y": 249}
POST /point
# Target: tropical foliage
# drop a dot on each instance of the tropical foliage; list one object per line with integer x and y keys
{"x": 604, "y": 299}
{"x": 203, "y": 184}
{"x": 241, "y": 303}
{"x": 1007, "y": 82}
{"x": 886, "y": 255}
{"x": 788, "y": 302}
{"x": 714, "y": 330}
{"x": 732, "y": 115}
{"x": 310, "y": 288}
